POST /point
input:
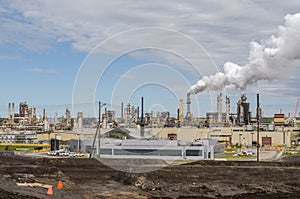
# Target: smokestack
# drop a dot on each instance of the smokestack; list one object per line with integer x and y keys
{"x": 142, "y": 118}
{"x": 180, "y": 110}
{"x": 44, "y": 114}
{"x": 79, "y": 120}
{"x": 106, "y": 117}
{"x": 34, "y": 114}
{"x": 188, "y": 105}
{"x": 219, "y": 107}
{"x": 67, "y": 116}
{"x": 142, "y": 111}
{"x": 9, "y": 113}
{"x": 13, "y": 113}
{"x": 55, "y": 119}
{"x": 188, "y": 102}
{"x": 227, "y": 108}
{"x": 122, "y": 109}
{"x": 127, "y": 121}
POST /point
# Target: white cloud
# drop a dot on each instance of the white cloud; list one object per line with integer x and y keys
{"x": 84, "y": 24}
{"x": 223, "y": 28}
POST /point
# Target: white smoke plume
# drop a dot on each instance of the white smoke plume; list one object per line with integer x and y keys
{"x": 267, "y": 60}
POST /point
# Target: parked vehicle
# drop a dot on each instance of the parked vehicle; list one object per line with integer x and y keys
{"x": 51, "y": 153}
{"x": 248, "y": 153}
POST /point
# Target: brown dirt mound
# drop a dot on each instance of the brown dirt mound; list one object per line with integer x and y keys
{"x": 89, "y": 178}
{"x": 8, "y": 195}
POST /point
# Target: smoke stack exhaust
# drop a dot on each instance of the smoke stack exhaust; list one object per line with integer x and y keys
{"x": 268, "y": 60}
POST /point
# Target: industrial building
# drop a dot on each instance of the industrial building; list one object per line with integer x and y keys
{"x": 225, "y": 125}
{"x": 18, "y": 137}
{"x": 268, "y": 136}
{"x": 155, "y": 149}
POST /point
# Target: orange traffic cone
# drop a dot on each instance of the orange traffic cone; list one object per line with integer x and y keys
{"x": 59, "y": 185}
{"x": 50, "y": 191}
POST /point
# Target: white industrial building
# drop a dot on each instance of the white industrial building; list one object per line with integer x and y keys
{"x": 18, "y": 137}
{"x": 152, "y": 149}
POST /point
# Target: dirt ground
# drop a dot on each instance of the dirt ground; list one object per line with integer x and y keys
{"x": 89, "y": 178}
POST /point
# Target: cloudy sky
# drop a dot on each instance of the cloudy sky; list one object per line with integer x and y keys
{"x": 55, "y": 53}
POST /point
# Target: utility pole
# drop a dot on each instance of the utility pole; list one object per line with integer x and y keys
{"x": 99, "y": 123}
{"x": 97, "y": 131}
{"x": 257, "y": 119}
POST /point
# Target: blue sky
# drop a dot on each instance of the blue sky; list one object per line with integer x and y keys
{"x": 45, "y": 44}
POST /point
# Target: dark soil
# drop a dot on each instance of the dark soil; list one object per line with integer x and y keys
{"x": 89, "y": 178}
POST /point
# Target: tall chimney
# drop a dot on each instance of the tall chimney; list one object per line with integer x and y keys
{"x": 9, "y": 113}
{"x": 79, "y": 120}
{"x": 55, "y": 119}
{"x": 188, "y": 105}
{"x": 44, "y": 114}
{"x": 106, "y": 117}
{"x": 142, "y": 118}
{"x": 13, "y": 113}
{"x": 122, "y": 109}
{"x": 219, "y": 107}
{"x": 180, "y": 110}
{"x": 188, "y": 102}
{"x": 227, "y": 108}
{"x": 34, "y": 114}
{"x": 67, "y": 116}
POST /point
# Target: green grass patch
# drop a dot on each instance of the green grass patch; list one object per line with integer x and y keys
{"x": 292, "y": 153}
{"x": 13, "y": 147}
{"x": 233, "y": 156}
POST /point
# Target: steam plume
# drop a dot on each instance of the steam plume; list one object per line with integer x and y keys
{"x": 267, "y": 60}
